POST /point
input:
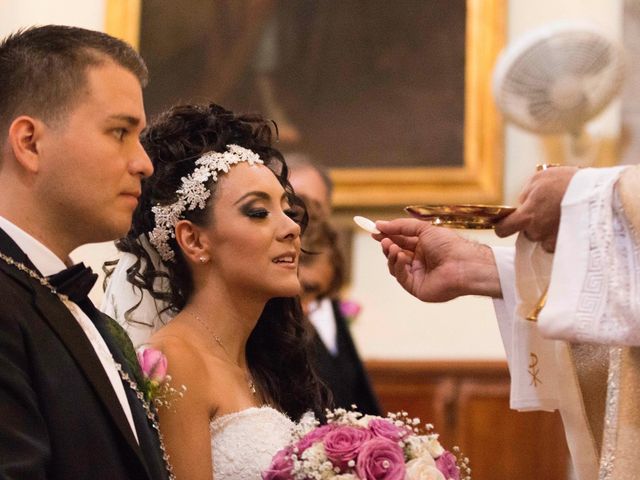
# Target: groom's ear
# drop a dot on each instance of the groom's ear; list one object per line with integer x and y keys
{"x": 193, "y": 241}
{"x": 24, "y": 136}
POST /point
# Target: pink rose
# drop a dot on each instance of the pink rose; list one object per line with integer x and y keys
{"x": 317, "y": 434}
{"x": 343, "y": 444}
{"x": 381, "y": 427}
{"x": 350, "y": 309}
{"x": 447, "y": 464}
{"x": 281, "y": 466}
{"x": 380, "y": 459}
{"x": 153, "y": 364}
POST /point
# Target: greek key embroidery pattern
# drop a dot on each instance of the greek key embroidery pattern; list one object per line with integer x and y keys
{"x": 610, "y": 288}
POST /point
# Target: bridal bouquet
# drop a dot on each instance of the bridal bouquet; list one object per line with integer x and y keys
{"x": 352, "y": 446}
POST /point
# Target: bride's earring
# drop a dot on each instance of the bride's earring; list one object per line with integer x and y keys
{"x": 204, "y": 259}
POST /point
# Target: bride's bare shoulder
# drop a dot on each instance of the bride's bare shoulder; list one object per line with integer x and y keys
{"x": 184, "y": 358}
{"x": 188, "y": 357}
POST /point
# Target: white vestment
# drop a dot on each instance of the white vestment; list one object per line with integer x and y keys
{"x": 562, "y": 361}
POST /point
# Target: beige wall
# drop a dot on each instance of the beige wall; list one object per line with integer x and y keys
{"x": 392, "y": 324}
{"x": 21, "y": 13}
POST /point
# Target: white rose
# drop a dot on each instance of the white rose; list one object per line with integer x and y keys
{"x": 423, "y": 469}
{"x": 345, "y": 476}
{"x": 433, "y": 445}
{"x": 424, "y": 445}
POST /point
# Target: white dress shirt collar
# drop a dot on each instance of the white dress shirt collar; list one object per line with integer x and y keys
{"x": 42, "y": 257}
{"x": 323, "y": 319}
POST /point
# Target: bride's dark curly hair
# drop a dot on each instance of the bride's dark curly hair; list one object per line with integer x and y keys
{"x": 278, "y": 346}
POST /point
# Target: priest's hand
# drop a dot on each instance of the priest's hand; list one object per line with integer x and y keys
{"x": 538, "y": 215}
{"x": 435, "y": 264}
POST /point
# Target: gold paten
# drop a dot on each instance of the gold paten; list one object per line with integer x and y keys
{"x": 467, "y": 216}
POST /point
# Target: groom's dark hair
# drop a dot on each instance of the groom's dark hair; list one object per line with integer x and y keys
{"x": 43, "y": 70}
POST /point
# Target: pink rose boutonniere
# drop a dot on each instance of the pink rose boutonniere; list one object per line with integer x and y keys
{"x": 350, "y": 309}
{"x": 156, "y": 387}
{"x": 154, "y": 365}
{"x": 352, "y": 446}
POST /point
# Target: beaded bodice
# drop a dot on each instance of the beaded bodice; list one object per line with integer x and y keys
{"x": 243, "y": 443}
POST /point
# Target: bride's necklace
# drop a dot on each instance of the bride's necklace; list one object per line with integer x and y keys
{"x": 218, "y": 340}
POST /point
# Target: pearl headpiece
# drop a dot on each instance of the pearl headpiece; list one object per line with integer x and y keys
{"x": 194, "y": 193}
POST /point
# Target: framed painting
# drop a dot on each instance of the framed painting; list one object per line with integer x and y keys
{"x": 392, "y": 97}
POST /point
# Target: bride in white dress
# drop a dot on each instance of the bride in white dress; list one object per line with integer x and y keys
{"x": 214, "y": 247}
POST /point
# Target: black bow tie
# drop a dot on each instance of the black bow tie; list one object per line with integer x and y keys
{"x": 75, "y": 282}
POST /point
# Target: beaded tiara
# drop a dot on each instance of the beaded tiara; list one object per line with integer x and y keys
{"x": 193, "y": 193}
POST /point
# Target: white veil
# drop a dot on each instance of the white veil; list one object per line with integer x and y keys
{"x": 121, "y": 295}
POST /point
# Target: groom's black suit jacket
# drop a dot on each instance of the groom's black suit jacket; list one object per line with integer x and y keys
{"x": 59, "y": 415}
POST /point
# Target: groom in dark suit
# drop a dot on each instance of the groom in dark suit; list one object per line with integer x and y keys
{"x": 71, "y": 164}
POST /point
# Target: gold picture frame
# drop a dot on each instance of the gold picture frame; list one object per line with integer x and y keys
{"x": 478, "y": 180}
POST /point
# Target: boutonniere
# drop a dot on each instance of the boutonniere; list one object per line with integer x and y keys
{"x": 148, "y": 367}
{"x": 350, "y": 309}
{"x": 155, "y": 380}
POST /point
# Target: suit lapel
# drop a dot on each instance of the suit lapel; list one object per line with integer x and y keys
{"x": 60, "y": 319}
{"x": 52, "y": 311}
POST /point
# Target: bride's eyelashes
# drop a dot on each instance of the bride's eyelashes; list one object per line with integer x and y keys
{"x": 253, "y": 212}
{"x": 261, "y": 212}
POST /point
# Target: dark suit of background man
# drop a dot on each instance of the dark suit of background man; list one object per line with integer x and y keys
{"x": 71, "y": 164}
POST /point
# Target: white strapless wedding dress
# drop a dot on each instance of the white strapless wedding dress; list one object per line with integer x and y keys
{"x": 243, "y": 443}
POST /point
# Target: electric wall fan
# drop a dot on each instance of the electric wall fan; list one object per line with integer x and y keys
{"x": 555, "y": 79}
